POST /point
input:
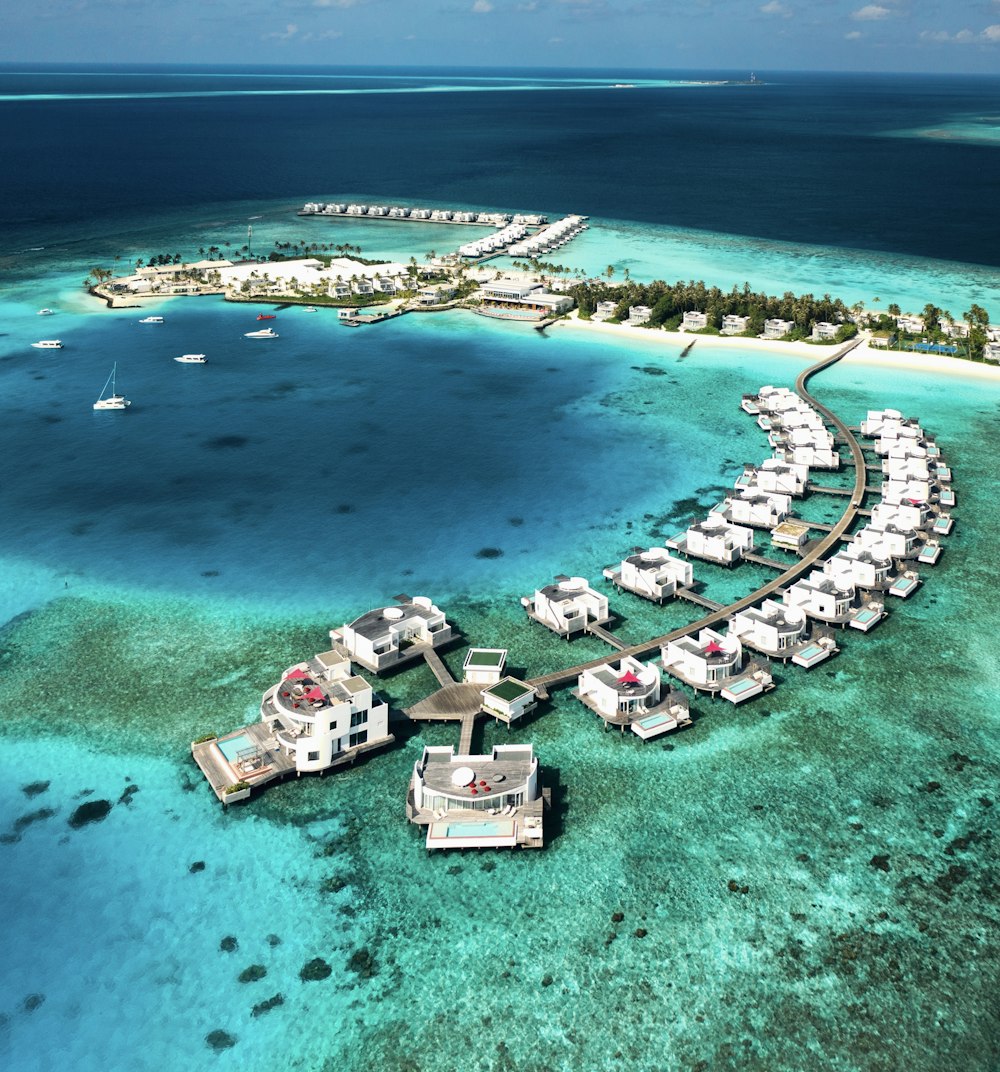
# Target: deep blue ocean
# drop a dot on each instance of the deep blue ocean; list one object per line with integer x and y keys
{"x": 159, "y": 569}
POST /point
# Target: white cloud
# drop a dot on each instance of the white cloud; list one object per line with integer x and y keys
{"x": 482, "y": 7}
{"x": 853, "y": 35}
{"x": 277, "y": 35}
{"x": 775, "y": 7}
{"x": 988, "y": 36}
{"x": 871, "y": 12}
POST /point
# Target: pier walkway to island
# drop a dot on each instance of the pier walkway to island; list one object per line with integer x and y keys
{"x": 559, "y": 678}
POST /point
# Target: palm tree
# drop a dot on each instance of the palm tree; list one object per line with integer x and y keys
{"x": 610, "y": 271}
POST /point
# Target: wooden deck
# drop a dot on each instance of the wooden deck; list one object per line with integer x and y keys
{"x": 692, "y": 596}
{"x": 606, "y": 635}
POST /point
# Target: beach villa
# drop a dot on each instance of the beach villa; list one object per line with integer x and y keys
{"x": 604, "y": 310}
{"x": 639, "y": 314}
{"x": 824, "y": 331}
{"x": 567, "y": 607}
{"x": 777, "y": 329}
{"x": 653, "y": 574}
{"x": 694, "y": 321}
{"x": 489, "y": 801}
{"x": 714, "y": 539}
{"x": 389, "y": 636}
{"x": 734, "y": 325}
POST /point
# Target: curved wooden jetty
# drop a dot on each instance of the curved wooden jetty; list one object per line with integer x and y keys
{"x": 563, "y": 677}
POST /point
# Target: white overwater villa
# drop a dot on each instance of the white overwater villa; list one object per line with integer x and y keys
{"x": 653, "y": 574}
{"x": 319, "y": 716}
{"x": 775, "y": 475}
{"x": 567, "y": 607}
{"x": 780, "y": 632}
{"x": 389, "y": 636}
{"x": 714, "y": 539}
{"x": 758, "y": 509}
{"x": 491, "y": 801}
{"x": 626, "y": 693}
{"x": 712, "y": 662}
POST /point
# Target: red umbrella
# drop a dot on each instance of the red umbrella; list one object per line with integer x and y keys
{"x": 714, "y": 648}
{"x": 628, "y": 678}
{"x": 296, "y": 674}
{"x": 315, "y": 693}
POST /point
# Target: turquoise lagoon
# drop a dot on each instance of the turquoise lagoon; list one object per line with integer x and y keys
{"x": 806, "y": 882}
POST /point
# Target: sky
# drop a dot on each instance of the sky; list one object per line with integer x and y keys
{"x": 960, "y": 36}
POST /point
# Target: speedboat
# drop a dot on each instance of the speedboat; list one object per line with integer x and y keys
{"x": 309, "y": 309}
{"x": 113, "y": 400}
{"x": 48, "y": 344}
{"x": 267, "y": 316}
{"x": 46, "y": 312}
{"x": 192, "y": 359}
{"x": 264, "y": 333}
{"x": 151, "y": 320}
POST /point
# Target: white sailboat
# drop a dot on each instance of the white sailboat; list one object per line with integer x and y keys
{"x": 113, "y": 400}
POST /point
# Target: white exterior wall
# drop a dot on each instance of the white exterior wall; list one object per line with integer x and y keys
{"x": 814, "y": 596}
{"x": 607, "y": 699}
{"x": 752, "y": 626}
{"x": 659, "y": 576}
{"x": 678, "y": 654}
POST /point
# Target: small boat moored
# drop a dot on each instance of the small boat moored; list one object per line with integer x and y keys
{"x": 112, "y": 400}
{"x": 151, "y": 320}
{"x": 267, "y": 316}
{"x": 48, "y": 344}
{"x": 192, "y": 359}
{"x": 46, "y": 312}
{"x": 309, "y": 309}
{"x": 264, "y": 333}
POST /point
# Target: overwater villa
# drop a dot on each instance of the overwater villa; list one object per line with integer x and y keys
{"x": 904, "y": 515}
{"x": 772, "y": 399}
{"x": 815, "y": 457}
{"x": 908, "y": 467}
{"x": 653, "y": 574}
{"x": 899, "y": 542}
{"x": 875, "y": 421}
{"x": 509, "y": 699}
{"x": 714, "y": 539}
{"x": 823, "y": 597}
{"x": 390, "y": 636}
{"x": 894, "y": 432}
{"x": 790, "y": 535}
{"x": 773, "y": 629}
{"x": 484, "y": 666}
{"x": 319, "y": 716}
{"x": 870, "y": 568}
{"x": 775, "y": 475}
{"x": 625, "y": 693}
{"x": 898, "y": 491}
{"x": 568, "y": 607}
{"x": 489, "y": 801}
{"x": 758, "y": 509}
{"x": 713, "y": 663}
{"x": 620, "y": 689}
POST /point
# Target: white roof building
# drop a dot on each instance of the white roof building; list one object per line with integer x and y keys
{"x": 568, "y": 606}
{"x": 771, "y": 628}
{"x": 387, "y": 636}
{"x": 653, "y": 574}
{"x": 714, "y": 539}
{"x": 622, "y": 689}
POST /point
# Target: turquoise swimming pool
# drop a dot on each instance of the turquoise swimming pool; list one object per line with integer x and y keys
{"x": 232, "y": 746}
{"x": 811, "y": 652}
{"x": 485, "y": 828}
{"x": 651, "y": 721}
{"x": 865, "y": 615}
{"x": 737, "y": 688}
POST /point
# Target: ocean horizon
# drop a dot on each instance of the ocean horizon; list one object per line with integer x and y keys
{"x": 804, "y": 882}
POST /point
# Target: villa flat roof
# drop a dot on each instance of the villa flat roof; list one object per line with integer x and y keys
{"x": 509, "y": 689}
{"x": 374, "y": 623}
{"x": 488, "y": 658}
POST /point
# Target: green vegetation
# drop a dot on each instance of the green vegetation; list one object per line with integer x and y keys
{"x": 236, "y": 787}
{"x": 205, "y": 737}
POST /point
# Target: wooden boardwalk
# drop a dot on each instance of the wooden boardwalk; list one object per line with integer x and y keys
{"x": 771, "y": 563}
{"x": 802, "y": 567}
{"x": 694, "y": 597}
{"x": 438, "y": 669}
{"x": 607, "y": 636}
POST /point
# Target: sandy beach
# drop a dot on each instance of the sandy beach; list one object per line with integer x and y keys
{"x": 865, "y": 354}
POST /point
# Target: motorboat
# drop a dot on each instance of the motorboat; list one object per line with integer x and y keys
{"x": 264, "y": 333}
{"x": 192, "y": 359}
{"x": 309, "y": 309}
{"x": 48, "y": 344}
{"x": 112, "y": 400}
{"x": 46, "y": 312}
{"x": 267, "y": 316}
{"x": 151, "y": 320}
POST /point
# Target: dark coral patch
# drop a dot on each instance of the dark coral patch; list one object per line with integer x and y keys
{"x": 93, "y": 811}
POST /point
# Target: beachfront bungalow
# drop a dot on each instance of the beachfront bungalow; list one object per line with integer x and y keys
{"x": 567, "y": 607}
{"x": 910, "y": 323}
{"x": 320, "y": 710}
{"x": 604, "y": 310}
{"x": 777, "y": 328}
{"x": 714, "y": 539}
{"x": 337, "y": 288}
{"x": 621, "y": 690}
{"x": 435, "y": 295}
{"x": 509, "y": 699}
{"x": 899, "y": 542}
{"x": 758, "y": 509}
{"x": 639, "y": 314}
{"x": 881, "y": 340}
{"x": 823, "y": 331}
{"x": 991, "y": 352}
{"x": 823, "y": 597}
{"x": 772, "y": 628}
{"x": 362, "y": 287}
{"x": 487, "y": 801}
{"x": 384, "y": 285}
{"x": 484, "y": 666}
{"x": 734, "y": 325}
{"x": 653, "y": 574}
{"x": 387, "y": 636}
{"x": 694, "y": 321}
